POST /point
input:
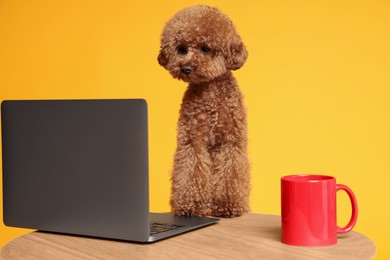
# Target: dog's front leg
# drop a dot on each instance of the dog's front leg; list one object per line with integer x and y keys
{"x": 231, "y": 181}
{"x": 191, "y": 184}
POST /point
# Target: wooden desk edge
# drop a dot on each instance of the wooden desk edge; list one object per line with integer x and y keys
{"x": 71, "y": 244}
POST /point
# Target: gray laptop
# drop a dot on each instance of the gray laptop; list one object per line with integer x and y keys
{"x": 81, "y": 167}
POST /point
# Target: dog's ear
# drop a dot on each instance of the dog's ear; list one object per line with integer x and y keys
{"x": 235, "y": 56}
{"x": 162, "y": 59}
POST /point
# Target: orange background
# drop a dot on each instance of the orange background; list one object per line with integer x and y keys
{"x": 317, "y": 86}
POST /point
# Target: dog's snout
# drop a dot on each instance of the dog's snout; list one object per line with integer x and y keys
{"x": 187, "y": 69}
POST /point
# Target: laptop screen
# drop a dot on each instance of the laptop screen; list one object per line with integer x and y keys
{"x": 76, "y": 166}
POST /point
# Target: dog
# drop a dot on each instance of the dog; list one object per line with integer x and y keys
{"x": 211, "y": 172}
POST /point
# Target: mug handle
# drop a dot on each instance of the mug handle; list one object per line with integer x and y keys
{"x": 354, "y": 216}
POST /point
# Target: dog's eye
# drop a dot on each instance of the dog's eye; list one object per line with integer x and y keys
{"x": 205, "y": 49}
{"x": 182, "y": 49}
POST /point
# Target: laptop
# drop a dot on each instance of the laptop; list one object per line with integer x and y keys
{"x": 81, "y": 167}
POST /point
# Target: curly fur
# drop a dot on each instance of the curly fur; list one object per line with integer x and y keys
{"x": 200, "y": 45}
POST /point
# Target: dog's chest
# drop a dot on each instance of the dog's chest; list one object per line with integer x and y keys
{"x": 213, "y": 122}
{"x": 210, "y": 113}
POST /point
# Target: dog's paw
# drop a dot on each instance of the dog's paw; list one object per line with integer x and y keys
{"x": 192, "y": 209}
{"x": 229, "y": 210}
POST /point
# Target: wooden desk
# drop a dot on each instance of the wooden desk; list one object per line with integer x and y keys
{"x": 251, "y": 236}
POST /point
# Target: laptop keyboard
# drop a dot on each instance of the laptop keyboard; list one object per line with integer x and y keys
{"x": 156, "y": 228}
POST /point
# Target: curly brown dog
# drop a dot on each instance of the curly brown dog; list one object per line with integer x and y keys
{"x": 200, "y": 45}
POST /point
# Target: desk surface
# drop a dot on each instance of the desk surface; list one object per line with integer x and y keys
{"x": 251, "y": 236}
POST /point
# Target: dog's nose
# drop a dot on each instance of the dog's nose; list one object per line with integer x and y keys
{"x": 186, "y": 69}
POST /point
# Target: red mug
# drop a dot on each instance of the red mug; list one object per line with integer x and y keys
{"x": 309, "y": 210}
